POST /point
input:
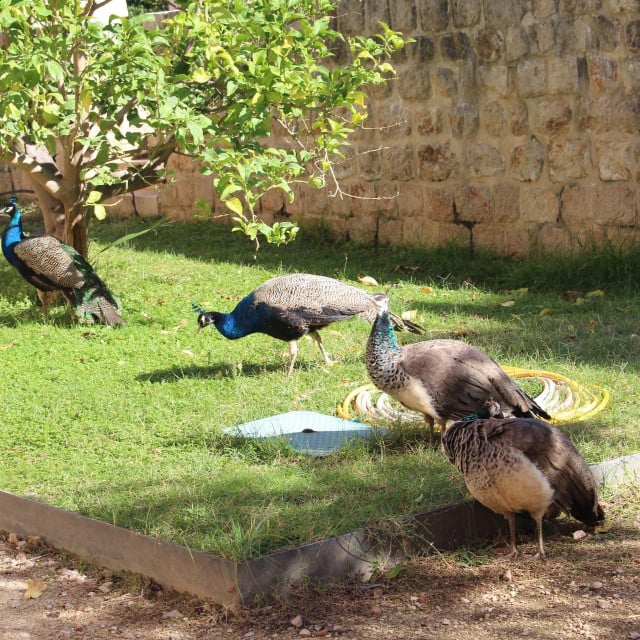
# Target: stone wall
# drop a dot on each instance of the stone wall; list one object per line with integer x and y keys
{"x": 511, "y": 124}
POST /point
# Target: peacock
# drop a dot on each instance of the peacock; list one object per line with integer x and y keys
{"x": 516, "y": 465}
{"x": 51, "y": 265}
{"x": 291, "y": 306}
{"x": 442, "y": 379}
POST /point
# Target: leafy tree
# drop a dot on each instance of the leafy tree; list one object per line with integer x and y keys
{"x": 91, "y": 111}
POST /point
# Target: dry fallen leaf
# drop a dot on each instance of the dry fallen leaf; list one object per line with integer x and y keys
{"x": 546, "y": 311}
{"x": 427, "y": 290}
{"x": 605, "y": 527}
{"x": 410, "y": 314}
{"x": 595, "y": 293}
{"x": 35, "y": 588}
{"x": 507, "y": 303}
{"x": 369, "y": 281}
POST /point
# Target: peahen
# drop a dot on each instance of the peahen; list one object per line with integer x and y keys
{"x": 51, "y": 265}
{"x": 291, "y": 306}
{"x": 515, "y": 465}
{"x": 442, "y": 379}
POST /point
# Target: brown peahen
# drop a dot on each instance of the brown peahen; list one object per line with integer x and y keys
{"x": 291, "y": 306}
{"x": 442, "y": 379}
{"x": 523, "y": 465}
{"x": 51, "y": 265}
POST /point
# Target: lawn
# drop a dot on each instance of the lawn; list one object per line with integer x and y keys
{"x": 126, "y": 425}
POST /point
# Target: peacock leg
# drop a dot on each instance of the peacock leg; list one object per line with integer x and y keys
{"x": 316, "y": 336}
{"x": 511, "y": 519}
{"x": 43, "y": 295}
{"x": 293, "y": 354}
{"x": 541, "y": 554}
{"x": 429, "y": 420}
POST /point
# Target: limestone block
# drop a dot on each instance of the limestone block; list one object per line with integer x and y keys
{"x": 410, "y": 200}
{"x": 627, "y": 114}
{"x": 494, "y": 119}
{"x": 489, "y": 45}
{"x": 631, "y": 75}
{"x": 595, "y": 115}
{"x": 120, "y": 206}
{"x": 506, "y": 202}
{"x": 438, "y": 203}
{"x": 540, "y": 204}
{"x": 570, "y": 34}
{"x": 417, "y": 232}
{"x": 562, "y": 74}
{"x": 544, "y": 8}
{"x": 615, "y": 204}
{"x": 421, "y": 51}
{"x": 632, "y": 35}
{"x": 393, "y": 119}
{"x": 527, "y": 161}
{"x": 576, "y": 205}
{"x": 350, "y": 17}
{"x": 504, "y": 13}
{"x": 455, "y": 46}
{"x": 403, "y": 15}
{"x": 484, "y": 160}
{"x": 625, "y": 6}
{"x": 602, "y": 72}
{"x": 554, "y": 238}
{"x": 466, "y": 13}
{"x": 428, "y": 120}
{"x": 615, "y": 160}
{"x": 371, "y": 163}
{"x": 347, "y": 166}
{"x": 464, "y": 120}
{"x": 605, "y": 33}
{"x": 568, "y": 160}
{"x": 518, "y": 119}
{"x": 541, "y": 37}
{"x": 436, "y": 162}
{"x": 145, "y": 202}
{"x": 626, "y": 237}
{"x": 433, "y": 15}
{"x": 516, "y": 43}
{"x": 399, "y": 163}
{"x": 377, "y": 11}
{"x": 446, "y": 82}
{"x": 495, "y": 78}
{"x": 473, "y": 203}
{"x": 362, "y": 229}
{"x": 415, "y": 84}
{"x": 551, "y": 117}
{"x": 531, "y": 77}
{"x": 308, "y": 202}
{"x": 490, "y": 237}
{"x": 391, "y": 231}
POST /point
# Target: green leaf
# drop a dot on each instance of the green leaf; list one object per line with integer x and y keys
{"x": 235, "y": 204}
{"x": 99, "y": 211}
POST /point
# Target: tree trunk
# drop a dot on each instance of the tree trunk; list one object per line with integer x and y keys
{"x": 55, "y": 215}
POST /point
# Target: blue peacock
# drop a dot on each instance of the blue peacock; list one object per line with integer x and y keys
{"x": 514, "y": 465}
{"x": 291, "y": 306}
{"x": 51, "y": 265}
{"x": 442, "y": 379}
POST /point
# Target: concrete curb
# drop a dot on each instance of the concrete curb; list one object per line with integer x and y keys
{"x": 229, "y": 583}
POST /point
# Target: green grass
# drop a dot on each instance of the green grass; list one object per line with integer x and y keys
{"x": 126, "y": 425}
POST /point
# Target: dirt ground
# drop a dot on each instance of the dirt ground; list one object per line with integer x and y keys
{"x": 587, "y": 588}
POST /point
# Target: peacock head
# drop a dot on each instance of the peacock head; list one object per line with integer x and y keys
{"x": 206, "y": 318}
{"x": 381, "y": 301}
{"x": 10, "y": 206}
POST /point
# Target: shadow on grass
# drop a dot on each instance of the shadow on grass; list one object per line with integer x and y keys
{"x": 213, "y": 371}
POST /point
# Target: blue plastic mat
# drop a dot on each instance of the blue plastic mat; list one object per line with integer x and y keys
{"x": 307, "y": 431}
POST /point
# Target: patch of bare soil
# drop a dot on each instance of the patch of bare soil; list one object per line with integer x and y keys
{"x": 587, "y": 588}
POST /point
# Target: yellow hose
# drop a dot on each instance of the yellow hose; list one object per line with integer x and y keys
{"x": 567, "y": 401}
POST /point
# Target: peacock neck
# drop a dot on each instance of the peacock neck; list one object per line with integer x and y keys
{"x": 13, "y": 232}
{"x": 229, "y": 327}
{"x": 383, "y": 354}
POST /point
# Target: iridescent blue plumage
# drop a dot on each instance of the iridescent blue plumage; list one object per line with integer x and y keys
{"x": 291, "y": 306}
{"x": 51, "y": 265}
